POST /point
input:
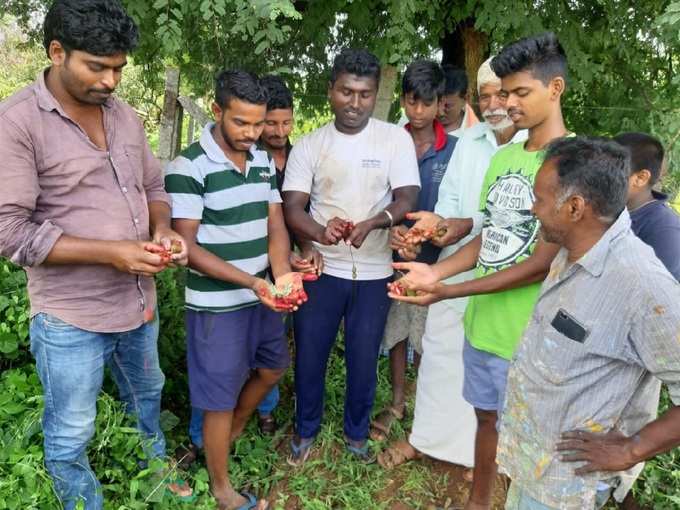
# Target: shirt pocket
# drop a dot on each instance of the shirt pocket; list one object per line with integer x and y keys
{"x": 129, "y": 164}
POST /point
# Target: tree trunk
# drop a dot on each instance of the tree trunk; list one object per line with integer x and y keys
{"x": 388, "y": 82}
{"x": 466, "y": 48}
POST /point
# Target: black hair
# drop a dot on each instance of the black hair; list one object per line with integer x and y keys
{"x": 541, "y": 55}
{"x": 239, "y": 84}
{"x": 646, "y": 153}
{"x": 424, "y": 79}
{"x": 596, "y": 169}
{"x": 360, "y": 62}
{"x": 97, "y": 27}
{"x": 279, "y": 94}
{"x": 455, "y": 81}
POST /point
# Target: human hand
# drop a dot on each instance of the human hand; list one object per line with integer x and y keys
{"x": 451, "y": 230}
{"x": 424, "y": 228}
{"x": 336, "y": 230}
{"x": 358, "y": 234}
{"x": 138, "y": 257}
{"x": 309, "y": 262}
{"x": 275, "y": 297}
{"x": 174, "y": 245}
{"x": 612, "y": 451}
{"x": 402, "y": 290}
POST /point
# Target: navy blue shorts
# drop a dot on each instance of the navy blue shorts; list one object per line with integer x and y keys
{"x": 222, "y": 349}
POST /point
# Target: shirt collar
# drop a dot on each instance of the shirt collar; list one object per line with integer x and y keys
{"x": 48, "y": 102}
{"x": 214, "y": 152}
{"x": 440, "y": 134}
{"x": 483, "y": 130}
{"x": 593, "y": 261}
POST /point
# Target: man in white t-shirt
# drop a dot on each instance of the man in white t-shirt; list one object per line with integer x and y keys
{"x": 360, "y": 177}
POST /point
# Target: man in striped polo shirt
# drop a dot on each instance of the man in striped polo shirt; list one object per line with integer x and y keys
{"x": 227, "y": 205}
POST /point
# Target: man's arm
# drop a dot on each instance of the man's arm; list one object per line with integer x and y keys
{"x": 211, "y": 265}
{"x": 427, "y": 283}
{"x": 300, "y": 222}
{"x": 533, "y": 269}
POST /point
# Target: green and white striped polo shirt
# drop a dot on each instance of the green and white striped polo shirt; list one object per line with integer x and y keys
{"x": 233, "y": 208}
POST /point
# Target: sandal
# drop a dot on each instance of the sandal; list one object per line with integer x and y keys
{"x": 251, "y": 503}
{"x": 299, "y": 453}
{"x": 267, "y": 424}
{"x": 361, "y": 453}
{"x": 186, "y": 456}
{"x": 383, "y": 421}
{"x": 398, "y": 454}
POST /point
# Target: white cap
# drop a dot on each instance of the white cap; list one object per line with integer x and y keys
{"x": 485, "y": 75}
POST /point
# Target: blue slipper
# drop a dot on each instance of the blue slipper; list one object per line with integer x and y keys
{"x": 362, "y": 453}
{"x": 250, "y": 504}
{"x": 300, "y": 452}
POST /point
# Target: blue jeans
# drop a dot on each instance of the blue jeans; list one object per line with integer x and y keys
{"x": 70, "y": 364}
{"x": 268, "y": 404}
{"x": 364, "y": 305}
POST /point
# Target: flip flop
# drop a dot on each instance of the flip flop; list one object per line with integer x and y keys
{"x": 251, "y": 503}
{"x": 362, "y": 453}
{"x": 300, "y": 453}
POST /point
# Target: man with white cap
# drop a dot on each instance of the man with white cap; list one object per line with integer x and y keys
{"x": 444, "y": 424}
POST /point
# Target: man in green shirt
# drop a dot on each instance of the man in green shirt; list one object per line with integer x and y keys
{"x": 509, "y": 258}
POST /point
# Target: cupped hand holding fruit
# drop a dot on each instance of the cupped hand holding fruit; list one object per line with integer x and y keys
{"x": 451, "y": 231}
{"x": 398, "y": 237}
{"x": 419, "y": 286}
{"x": 287, "y": 295}
{"x": 424, "y": 228}
{"x": 309, "y": 262}
{"x": 174, "y": 245}
{"x": 137, "y": 257}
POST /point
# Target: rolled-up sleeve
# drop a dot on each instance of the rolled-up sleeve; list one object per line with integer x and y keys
{"x": 23, "y": 241}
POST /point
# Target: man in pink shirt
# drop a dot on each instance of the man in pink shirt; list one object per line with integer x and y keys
{"x": 82, "y": 208}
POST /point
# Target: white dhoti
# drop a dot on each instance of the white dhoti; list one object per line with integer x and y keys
{"x": 444, "y": 425}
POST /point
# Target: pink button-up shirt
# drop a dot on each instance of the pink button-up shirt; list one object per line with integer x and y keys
{"x": 54, "y": 180}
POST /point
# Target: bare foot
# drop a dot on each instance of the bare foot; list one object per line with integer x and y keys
{"x": 397, "y": 454}
{"x": 183, "y": 490}
{"x": 468, "y": 475}
{"x": 228, "y": 498}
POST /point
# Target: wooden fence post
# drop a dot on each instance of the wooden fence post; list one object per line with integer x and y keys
{"x": 171, "y": 118}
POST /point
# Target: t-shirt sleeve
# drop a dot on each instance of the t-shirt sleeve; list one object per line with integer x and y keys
{"x": 299, "y": 169}
{"x": 655, "y": 332}
{"x": 404, "y": 163}
{"x": 274, "y": 195}
{"x": 184, "y": 184}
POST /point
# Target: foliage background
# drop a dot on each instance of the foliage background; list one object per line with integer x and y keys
{"x": 623, "y": 59}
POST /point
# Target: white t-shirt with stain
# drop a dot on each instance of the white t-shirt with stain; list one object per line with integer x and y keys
{"x": 352, "y": 177}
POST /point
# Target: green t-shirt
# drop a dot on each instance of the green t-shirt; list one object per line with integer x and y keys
{"x": 494, "y": 322}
